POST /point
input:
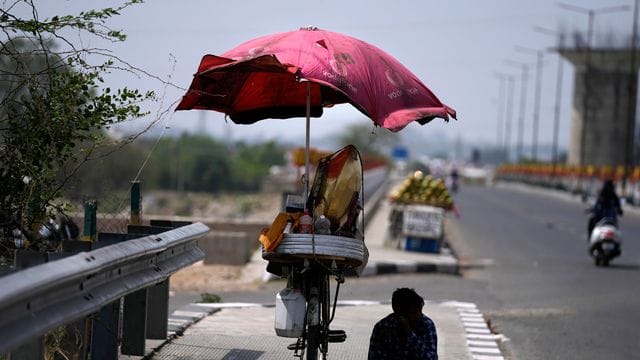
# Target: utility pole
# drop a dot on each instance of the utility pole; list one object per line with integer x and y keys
{"x": 508, "y": 121}
{"x": 523, "y": 102}
{"x": 536, "y": 107}
{"x": 556, "y": 108}
{"x": 629, "y": 159}
{"x": 501, "y": 109}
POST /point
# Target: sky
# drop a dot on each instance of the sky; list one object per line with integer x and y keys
{"x": 456, "y": 47}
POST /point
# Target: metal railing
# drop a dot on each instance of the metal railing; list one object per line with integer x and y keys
{"x": 38, "y": 299}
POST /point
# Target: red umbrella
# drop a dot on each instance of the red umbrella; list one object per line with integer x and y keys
{"x": 298, "y": 73}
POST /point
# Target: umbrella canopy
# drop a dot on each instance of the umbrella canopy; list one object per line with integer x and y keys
{"x": 280, "y": 75}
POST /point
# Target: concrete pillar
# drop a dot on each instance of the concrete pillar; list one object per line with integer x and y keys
{"x": 606, "y": 74}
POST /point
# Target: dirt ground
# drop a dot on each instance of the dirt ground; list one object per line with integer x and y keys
{"x": 214, "y": 278}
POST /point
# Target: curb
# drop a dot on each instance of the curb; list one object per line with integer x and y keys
{"x": 403, "y": 267}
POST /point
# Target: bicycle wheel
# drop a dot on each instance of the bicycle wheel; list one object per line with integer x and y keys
{"x": 313, "y": 343}
{"x": 317, "y": 314}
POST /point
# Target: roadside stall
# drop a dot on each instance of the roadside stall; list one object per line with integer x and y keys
{"x": 326, "y": 226}
{"x": 297, "y": 74}
{"x": 416, "y": 220}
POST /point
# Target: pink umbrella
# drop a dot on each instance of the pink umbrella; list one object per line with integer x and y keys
{"x": 297, "y": 73}
{"x": 260, "y": 79}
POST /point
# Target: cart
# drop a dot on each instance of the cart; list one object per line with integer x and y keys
{"x": 416, "y": 227}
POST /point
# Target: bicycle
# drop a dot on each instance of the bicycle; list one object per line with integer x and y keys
{"x": 310, "y": 263}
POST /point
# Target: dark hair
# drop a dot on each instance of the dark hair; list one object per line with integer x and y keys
{"x": 608, "y": 189}
{"x": 405, "y": 299}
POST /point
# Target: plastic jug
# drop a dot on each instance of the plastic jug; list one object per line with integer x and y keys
{"x": 290, "y": 309}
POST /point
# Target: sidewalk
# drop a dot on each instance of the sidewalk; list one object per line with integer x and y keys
{"x": 245, "y": 331}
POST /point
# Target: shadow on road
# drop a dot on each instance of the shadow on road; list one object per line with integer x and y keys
{"x": 616, "y": 266}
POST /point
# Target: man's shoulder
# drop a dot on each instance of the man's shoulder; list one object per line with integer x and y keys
{"x": 389, "y": 319}
{"x": 427, "y": 320}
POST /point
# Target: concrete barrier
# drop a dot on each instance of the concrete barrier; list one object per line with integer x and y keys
{"x": 230, "y": 243}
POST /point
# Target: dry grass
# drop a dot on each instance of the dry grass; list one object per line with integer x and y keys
{"x": 258, "y": 206}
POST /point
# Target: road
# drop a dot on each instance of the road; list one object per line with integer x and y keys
{"x": 542, "y": 289}
{"x": 530, "y": 274}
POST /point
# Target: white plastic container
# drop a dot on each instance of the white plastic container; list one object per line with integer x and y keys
{"x": 290, "y": 308}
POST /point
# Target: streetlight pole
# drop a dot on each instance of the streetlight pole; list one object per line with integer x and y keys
{"x": 536, "y": 109}
{"x": 629, "y": 158}
{"x": 556, "y": 115}
{"x": 508, "y": 120}
{"x": 591, "y": 13}
{"x": 501, "y": 111}
{"x": 523, "y": 101}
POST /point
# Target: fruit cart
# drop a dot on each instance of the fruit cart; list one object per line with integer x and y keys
{"x": 416, "y": 220}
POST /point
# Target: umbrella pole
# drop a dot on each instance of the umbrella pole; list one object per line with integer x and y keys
{"x": 306, "y": 150}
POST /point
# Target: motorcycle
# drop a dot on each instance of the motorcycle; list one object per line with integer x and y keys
{"x": 51, "y": 233}
{"x": 454, "y": 181}
{"x": 605, "y": 241}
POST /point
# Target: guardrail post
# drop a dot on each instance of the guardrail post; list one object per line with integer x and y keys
{"x": 104, "y": 340}
{"x": 134, "y": 323}
{"x": 136, "y": 203}
{"x": 105, "y": 332}
{"x": 158, "y": 311}
{"x": 34, "y": 348}
{"x": 90, "y": 220}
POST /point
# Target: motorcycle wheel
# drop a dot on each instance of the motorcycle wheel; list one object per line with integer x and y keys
{"x": 597, "y": 260}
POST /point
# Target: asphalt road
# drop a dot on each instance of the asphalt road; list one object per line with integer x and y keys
{"x": 530, "y": 274}
{"x": 542, "y": 290}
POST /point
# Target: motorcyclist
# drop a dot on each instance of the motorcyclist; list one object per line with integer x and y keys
{"x": 607, "y": 205}
{"x": 454, "y": 179}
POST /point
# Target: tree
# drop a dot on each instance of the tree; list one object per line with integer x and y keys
{"x": 369, "y": 140}
{"x": 203, "y": 164}
{"x": 54, "y": 108}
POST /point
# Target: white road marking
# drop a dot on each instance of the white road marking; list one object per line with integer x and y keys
{"x": 481, "y": 325}
{"x": 487, "y": 357}
{"x": 481, "y": 343}
{"x": 484, "y": 350}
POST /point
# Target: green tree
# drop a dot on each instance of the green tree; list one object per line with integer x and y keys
{"x": 369, "y": 140}
{"x": 203, "y": 164}
{"x": 54, "y": 107}
{"x": 113, "y": 168}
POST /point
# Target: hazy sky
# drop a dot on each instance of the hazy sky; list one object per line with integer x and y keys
{"x": 455, "y": 47}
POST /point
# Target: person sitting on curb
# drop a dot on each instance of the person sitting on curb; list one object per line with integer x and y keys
{"x": 406, "y": 333}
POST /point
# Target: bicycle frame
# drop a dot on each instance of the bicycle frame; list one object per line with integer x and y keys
{"x": 313, "y": 279}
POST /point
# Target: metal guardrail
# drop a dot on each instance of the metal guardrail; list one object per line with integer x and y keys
{"x": 376, "y": 184}
{"x": 38, "y": 299}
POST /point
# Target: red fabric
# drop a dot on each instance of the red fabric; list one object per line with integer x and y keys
{"x": 259, "y": 79}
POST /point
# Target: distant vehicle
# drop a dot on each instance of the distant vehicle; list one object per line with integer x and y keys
{"x": 605, "y": 241}
{"x": 454, "y": 179}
